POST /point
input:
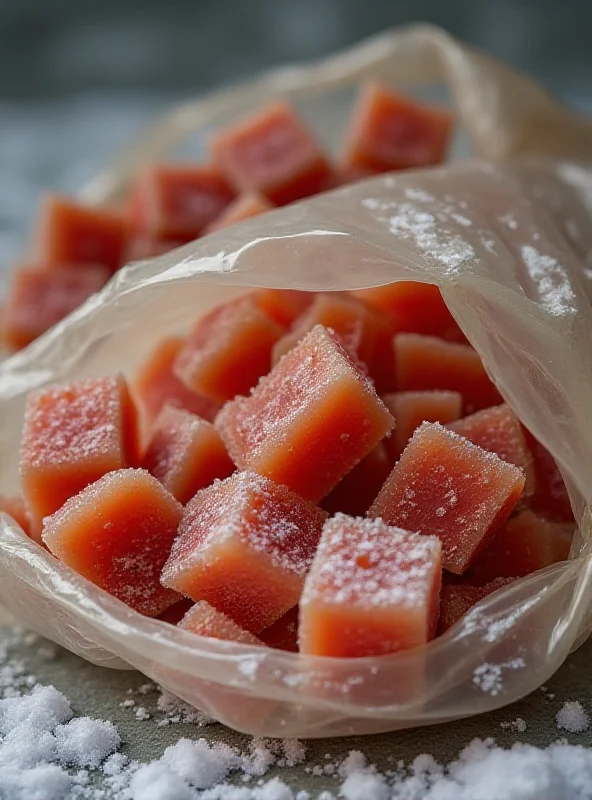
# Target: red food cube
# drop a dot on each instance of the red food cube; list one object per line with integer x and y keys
{"x": 414, "y": 307}
{"x": 68, "y": 233}
{"x": 117, "y": 533}
{"x": 283, "y": 634}
{"x": 245, "y": 545}
{"x": 354, "y": 494}
{"x": 247, "y": 205}
{"x": 272, "y": 153}
{"x": 372, "y": 590}
{"x": 389, "y": 131}
{"x": 72, "y": 435}
{"x": 498, "y": 431}
{"x": 178, "y": 201}
{"x": 185, "y": 453}
{"x": 356, "y": 324}
{"x": 16, "y": 508}
{"x": 142, "y": 246}
{"x": 228, "y": 350}
{"x": 425, "y": 362}
{"x": 38, "y": 299}
{"x": 204, "y": 620}
{"x": 410, "y": 409}
{"x": 523, "y": 545}
{"x": 445, "y": 486}
{"x": 457, "y": 598}
{"x": 156, "y": 385}
{"x": 550, "y": 498}
{"x": 283, "y": 305}
{"x": 309, "y": 422}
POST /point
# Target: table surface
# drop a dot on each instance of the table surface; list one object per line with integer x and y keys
{"x": 98, "y": 692}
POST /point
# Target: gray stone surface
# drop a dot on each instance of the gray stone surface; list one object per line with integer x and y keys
{"x": 98, "y": 692}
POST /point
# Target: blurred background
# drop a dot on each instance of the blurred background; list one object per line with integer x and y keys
{"x": 79, "y": 77}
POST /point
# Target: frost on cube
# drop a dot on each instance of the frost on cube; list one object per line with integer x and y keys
{"x": 73, "y": 435}
{"x": 118, "y": 533}
{"x": 68, "y": 233}
{"x": 283, "y": 634}
{"x": 245, "y": 206}
{"x": 176, "y": 201}
{"x": 389, "y": 131}
{"x": 354, "y": 494}
{"x": 185, "y": 453}
{"x": 283, "y": 305}
{"x": 372, "y": 590}
{"x": 39, "y": 298}
{"x": 498, "y": 430}
{"x": 426, "y": 362}
{"x": 272, "y": 153}
{"x": 228, "y": 350}
{"x": 523, "y": 545}
{"x": 203, "y": 619}
{"x": 457, "y": 598}
{"x": 445, "y": 486}
{"x": 309, "y": 422}
{"x": 244, "y": 546}
{"x": 414, "y": 307}
{"x": 410, "y": 409}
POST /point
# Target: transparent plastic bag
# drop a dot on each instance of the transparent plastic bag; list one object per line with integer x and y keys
{"x": 506, "y": 242}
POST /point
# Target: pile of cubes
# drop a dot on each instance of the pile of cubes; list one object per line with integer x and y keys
{"x": 329, "y": 473}
{"x": 267, "y": 160}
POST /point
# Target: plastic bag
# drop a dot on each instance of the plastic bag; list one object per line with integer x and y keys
{"x": 507, "y": 244}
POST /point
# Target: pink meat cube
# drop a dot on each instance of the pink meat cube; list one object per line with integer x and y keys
{"x": 444, "y": 485}
{"x": 245, "y": 545}
{"x": 186, "y": 453}
{"x": 372, "y": 590}
{"x": 309, "y": 422}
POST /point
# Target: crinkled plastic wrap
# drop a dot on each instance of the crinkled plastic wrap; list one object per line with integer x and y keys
{"x": 507, "y": 242}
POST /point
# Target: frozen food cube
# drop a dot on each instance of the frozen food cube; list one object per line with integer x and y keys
{"x": 245, "y": 545}
{"x": 498, "y": 431}
{"x": 203, "y": 619}
{"x": 414, "y": 307}
{"x": 445, "y": 486}
{"x": 272, "y": 153}
{"x": 185, "y": 453}
{"x": 372, "y": 590}
{"x": 425, "y": 362}
{"x": 389, "y": 131}
{"x": 68, "y": 233}
{"x": 309, "y": 422}
{"x": 523, "y": 545}
{"x": 283, "y": 305}
{"x": 178, "y": 201}
{"x": 38, "y": 299}
{"x": 228, "y": 350}
{"x": 156, "y": 385}
{"x": 410, "y": 409}
{"x": 118, "y": 533}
